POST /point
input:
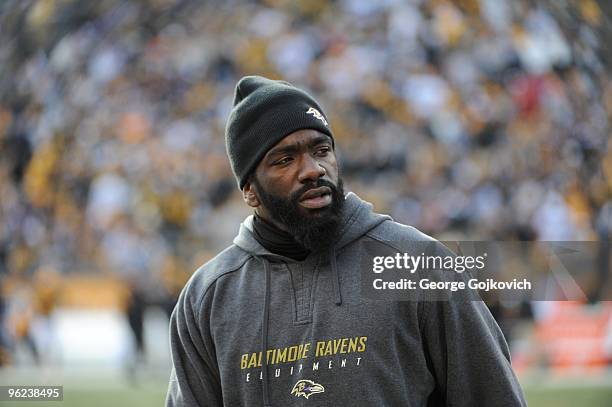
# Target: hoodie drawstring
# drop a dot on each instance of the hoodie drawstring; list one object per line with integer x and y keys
{"x": 335, "y": 277}
{"x": 264, "y": 336}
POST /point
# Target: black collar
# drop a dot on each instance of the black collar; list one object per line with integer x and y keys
{"x": 277, "y": 241}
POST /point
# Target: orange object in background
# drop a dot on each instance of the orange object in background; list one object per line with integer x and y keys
{"x": 100, "y": 292}
{"x": 573, "y": 335}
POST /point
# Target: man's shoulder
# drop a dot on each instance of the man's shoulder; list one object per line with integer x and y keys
{"x": 229, "y": 260}
{"x": 395, "y": 232}
{"x": 406, "y": 238}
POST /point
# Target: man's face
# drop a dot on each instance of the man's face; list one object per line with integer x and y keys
{"x": 296, "y": 186}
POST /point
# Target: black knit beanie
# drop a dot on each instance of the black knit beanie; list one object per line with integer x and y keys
{"x": 265, "y": 111}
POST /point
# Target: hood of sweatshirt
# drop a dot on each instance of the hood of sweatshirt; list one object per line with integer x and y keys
{"x": 358, "y": 219}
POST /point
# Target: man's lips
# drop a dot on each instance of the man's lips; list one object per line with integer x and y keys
{"x": 316, "y": 198}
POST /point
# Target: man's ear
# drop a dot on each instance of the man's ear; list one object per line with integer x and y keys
{"x": 250, "y": 195}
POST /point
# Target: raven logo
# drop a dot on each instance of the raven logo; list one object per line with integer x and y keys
{"x": 317, "y": 114}
{"x": 306, "y": 388}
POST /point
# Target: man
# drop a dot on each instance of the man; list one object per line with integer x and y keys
{"x": 278, "y": 318}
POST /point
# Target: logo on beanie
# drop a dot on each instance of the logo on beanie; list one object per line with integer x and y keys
{"x": 317, "y": 114}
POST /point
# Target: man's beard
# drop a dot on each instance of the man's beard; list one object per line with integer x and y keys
{"x": 315, "y": 229}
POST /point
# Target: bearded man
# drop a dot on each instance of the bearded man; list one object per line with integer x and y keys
{"x": 278, "y": 319}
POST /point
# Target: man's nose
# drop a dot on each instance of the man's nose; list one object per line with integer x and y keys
{"x": 311, "y": 170}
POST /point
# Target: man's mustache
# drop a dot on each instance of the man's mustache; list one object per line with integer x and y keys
{"x": 295, "y": 197}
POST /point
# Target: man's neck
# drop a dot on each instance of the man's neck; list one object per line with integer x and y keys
{"x": 277, "y": 240}
{"x": 264, "y": 215}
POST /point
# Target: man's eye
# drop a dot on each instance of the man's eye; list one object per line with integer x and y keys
{"x": 284, "y": 160}
{"x": 323, "y": 151}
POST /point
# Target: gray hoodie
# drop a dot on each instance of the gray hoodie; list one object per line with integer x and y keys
{"x": 326, "y": 345}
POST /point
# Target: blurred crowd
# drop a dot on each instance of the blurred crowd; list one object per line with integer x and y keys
{"x": 470, "y": 119}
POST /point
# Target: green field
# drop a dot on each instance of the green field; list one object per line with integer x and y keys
{"x": 577, "y": 396}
